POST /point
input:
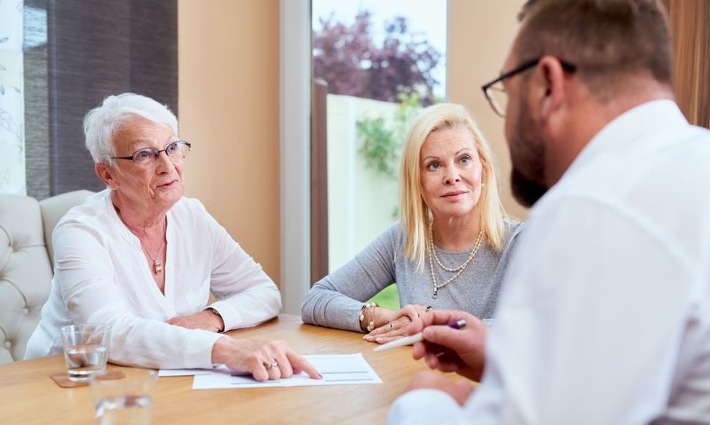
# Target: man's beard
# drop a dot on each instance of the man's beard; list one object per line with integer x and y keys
{"x": 526, "y": 191}
{"x": 527, "y": 153}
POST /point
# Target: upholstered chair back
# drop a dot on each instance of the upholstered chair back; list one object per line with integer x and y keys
{"x": 26, "y": 264}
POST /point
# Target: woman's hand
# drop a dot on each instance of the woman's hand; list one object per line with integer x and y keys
{"x": 265, "y": 360}
{"x": 396, "y": 324}
{"x": 205, "y": 320}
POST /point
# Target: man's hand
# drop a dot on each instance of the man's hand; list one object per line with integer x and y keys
{"x": 459, "y": 389}
{"x": 451, "y": 350}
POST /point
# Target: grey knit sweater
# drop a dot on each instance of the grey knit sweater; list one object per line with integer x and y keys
{"x": 335, "y": 301}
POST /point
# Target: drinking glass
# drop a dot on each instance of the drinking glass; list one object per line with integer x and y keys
{"x": 124, "y": 401}
{"x": 86, "y": 350}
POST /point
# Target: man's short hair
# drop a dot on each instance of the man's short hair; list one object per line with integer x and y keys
{"x": 607, "y": 40}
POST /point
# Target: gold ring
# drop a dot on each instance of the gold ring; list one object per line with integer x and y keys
{"x": 390, "y": 326}
{"x": 270, "y": 366}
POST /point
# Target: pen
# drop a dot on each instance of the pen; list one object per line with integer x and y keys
{"x": 407, "y": 340}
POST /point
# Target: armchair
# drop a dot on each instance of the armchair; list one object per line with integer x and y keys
{"x": 26, "y": 261}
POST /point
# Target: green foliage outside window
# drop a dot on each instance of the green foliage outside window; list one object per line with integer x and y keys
{"x": 387, "y": 298}
{"x": 381, "y": 139}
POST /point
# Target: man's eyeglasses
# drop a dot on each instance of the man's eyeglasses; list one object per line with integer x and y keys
{"x": 495, "y": 91}
{"x": 176, "y": 151}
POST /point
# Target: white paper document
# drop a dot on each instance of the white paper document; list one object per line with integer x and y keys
{"x": 337, "y": 369}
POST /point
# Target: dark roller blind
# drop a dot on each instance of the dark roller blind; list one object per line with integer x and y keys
{"x": 94, "y": 49}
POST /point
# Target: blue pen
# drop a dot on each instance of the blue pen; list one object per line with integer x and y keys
{"x": 408, "y": 340}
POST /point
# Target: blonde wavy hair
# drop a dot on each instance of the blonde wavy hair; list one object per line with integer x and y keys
{"x": 414, "y": 213}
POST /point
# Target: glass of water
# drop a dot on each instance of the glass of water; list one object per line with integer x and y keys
{"x": 86, "y": 350}
{"x": 124, "y": 401}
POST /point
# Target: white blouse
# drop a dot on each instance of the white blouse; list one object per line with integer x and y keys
{"x": 102, "y": 276}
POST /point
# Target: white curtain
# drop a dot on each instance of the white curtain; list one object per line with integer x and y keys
{"x": 12, "y": 109}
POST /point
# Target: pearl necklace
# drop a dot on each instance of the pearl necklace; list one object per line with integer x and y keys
{"x": 458, "y": 270}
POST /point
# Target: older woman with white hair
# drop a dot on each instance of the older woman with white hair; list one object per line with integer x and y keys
{"x": 450, "y": 248}
{"x": 144, "y": 259}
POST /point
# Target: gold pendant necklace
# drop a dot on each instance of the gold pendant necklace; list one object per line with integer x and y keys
{"x": 157, "y": 265}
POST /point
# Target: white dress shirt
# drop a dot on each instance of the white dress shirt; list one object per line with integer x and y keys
{"x": 605, "y": 311}
{"x": 102, "y": 276}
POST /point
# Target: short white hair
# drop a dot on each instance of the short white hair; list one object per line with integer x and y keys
{"x": 102, "y": 122}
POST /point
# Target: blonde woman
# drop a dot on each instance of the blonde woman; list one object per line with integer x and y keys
{"x": 450, "y": 248}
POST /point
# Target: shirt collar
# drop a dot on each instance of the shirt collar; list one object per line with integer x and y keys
{"x": 646, "y": 119}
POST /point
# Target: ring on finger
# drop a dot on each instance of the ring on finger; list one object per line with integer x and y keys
{"x": 273, "y": 365}
{"x": 390, "y": 326}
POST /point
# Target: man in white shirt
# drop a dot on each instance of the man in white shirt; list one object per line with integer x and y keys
{"x": 605, "y": 311}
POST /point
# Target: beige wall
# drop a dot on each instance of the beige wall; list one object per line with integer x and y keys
{"x": 229, "y": 105}
{"x": 229, "y": 109}
{"x": 480, "y": 33}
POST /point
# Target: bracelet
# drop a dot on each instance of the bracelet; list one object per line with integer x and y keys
{"x": 216, "y": 313}
{"x": 370, "y": 324}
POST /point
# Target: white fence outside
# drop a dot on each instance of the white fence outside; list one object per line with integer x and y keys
{"x": 361, "y": 201}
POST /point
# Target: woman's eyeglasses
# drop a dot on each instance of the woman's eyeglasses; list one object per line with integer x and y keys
{"x": 176, "y": 151}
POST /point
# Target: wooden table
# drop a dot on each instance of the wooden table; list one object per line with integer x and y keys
{"x": 29, "y": 396}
